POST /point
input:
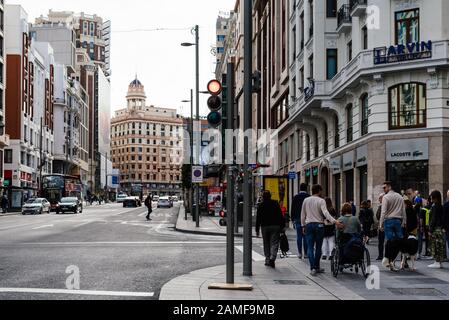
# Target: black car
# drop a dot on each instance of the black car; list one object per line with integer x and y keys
{"x": 72, "y": 204}
{"x": 132, "y": 202}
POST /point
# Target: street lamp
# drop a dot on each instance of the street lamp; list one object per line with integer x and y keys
{"x": 191, "y": 143}
{"x": 197, "y": 81}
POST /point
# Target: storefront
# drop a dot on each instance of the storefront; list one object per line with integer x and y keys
{"x": 335, "y": 169}
{"x": 362, "y": 167}
{"x": 348, "y": 169}
{"x": 408, "y": 164}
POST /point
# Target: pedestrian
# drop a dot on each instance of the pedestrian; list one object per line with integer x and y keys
{"x": 314, "y": 212}
{"x": 353, "y": 208}
{"x": 329, "y": 231}
{"x": 412, "y": 219}
{"x": 446, "y": 219}
{"x": 5, "y": 204}
{"x": 352, "y": 226}
{"x": 149, "y": 205}
{"x": 426, "y": 217}
{"x": 269, "y": 217}
{"x": 366, "y": 218}
{"x": 298, "y": 200}
{"x": 381, "y": 233}
{"x": 393, "y": 217}
{"x": 437, "y": 231}
{"x": 420, "y": 213}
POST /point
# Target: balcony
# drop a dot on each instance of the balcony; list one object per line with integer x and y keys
{"x": 358, "y": 7}
{"x": 344, "y": 19}
{"x": 4, "y": 141}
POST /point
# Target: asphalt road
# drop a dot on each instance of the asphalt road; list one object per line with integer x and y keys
{"x": 115, "y": 251}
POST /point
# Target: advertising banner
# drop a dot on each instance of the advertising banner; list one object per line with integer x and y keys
{"x": 278, "y": 186}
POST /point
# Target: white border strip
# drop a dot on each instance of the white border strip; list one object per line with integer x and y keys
{"x": 78, "y": 292}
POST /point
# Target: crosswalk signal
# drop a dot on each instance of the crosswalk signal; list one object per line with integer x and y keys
{"x": 214, "y": 103}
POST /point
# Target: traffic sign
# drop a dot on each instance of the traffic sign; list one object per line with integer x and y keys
{"x": 197, "y": 174}
{"x": 292, "y": 176}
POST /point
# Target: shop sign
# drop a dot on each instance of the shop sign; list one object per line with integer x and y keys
{"x": 335, "y": 165}
{"x": 292, "y": 176}
{"x": 362, "y": 156}
{"x": 308, "y": 173}
{"x": 348, "y": 161}
{"x": 315, "y": 171}
{"x": 408, "y": 150}
{"x": 400, "y": 53}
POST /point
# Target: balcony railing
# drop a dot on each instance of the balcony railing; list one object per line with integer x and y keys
{"x": 344, "y": 19}
{"x": 408, "y": 119}
{"x": 358, "y": 7}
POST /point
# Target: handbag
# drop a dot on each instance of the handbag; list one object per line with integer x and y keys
{"x": 284, "y": 245}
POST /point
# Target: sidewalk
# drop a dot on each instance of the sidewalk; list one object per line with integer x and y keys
{"x": 290, "y": 280}
{"x": 208, "y": 225}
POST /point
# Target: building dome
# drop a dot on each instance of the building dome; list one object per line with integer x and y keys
{"x": 135, "y": 83}
{"x": 136, "y": 95}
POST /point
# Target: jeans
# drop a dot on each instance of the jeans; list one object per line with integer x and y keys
{"x": 271, "y": 235}
{"x": 447, "y": 240}
{"x": 328, "y": 246}
{"x": 315, "y": 237}
{"x": 393, "y": 229}
{"x": 381, "y": 246}
{"x": 420, "y": 242}
{"x": 300, "y": 238}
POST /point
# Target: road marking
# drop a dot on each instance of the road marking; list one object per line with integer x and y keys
{"x": 122, "y": 243}
{"x": 43, "y": 227}
{"x": 78, "y": 292}
{"x": 256, "y": 257}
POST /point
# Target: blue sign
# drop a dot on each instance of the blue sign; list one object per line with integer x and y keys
{"x": 400, "y": 53}
{"x": 292, "y": 176}
{"x": 114, "y": 180}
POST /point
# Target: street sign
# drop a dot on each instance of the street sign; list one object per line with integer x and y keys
{"x": 292, "y": 176}
{"x": 197, "y": 174}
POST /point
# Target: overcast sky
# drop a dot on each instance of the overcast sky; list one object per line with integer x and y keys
{"x": 162, "y": 65}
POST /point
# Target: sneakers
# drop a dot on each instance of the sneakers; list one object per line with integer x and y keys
{"x": 272, "y": 264}
{"x": 313, "y": 273}
{"x": 300, "y": 256}
{"x": 386, "y": 262}
{"x": 436, "y": 265}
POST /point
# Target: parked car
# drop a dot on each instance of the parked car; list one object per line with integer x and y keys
{"x": 69, "y": 204}
{"x": 175, "y": 199}
{"x": 121, "y": 197}
{"x": 36, "y": 206}
{"x": 155, "y": 198}
{"x": 164, "y": 202}
{"x": 132, "y": 202}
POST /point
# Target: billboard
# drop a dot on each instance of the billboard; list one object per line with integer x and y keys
{"x": 278, "y": 186}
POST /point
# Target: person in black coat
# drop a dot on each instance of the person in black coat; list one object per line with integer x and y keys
{"x": 149, "y": 205}
{"x": 366, "y": 218}
{"x": 298, "y": 200}
{"x": 270, "y": 219}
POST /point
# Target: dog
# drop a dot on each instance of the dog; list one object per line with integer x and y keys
{"x": 409, "y": 250}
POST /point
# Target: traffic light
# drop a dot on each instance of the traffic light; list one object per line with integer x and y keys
{"x": 214, "y": 103}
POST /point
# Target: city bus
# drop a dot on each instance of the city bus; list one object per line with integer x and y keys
{"x": 58, "y": 186}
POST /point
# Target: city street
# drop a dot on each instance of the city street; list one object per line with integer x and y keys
{"x": 119, "y": 254}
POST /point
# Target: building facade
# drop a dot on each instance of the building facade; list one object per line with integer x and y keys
{"x": 29, "y": 108}
{"x": 369, "y": 97}
{"x": 147, "y": 146}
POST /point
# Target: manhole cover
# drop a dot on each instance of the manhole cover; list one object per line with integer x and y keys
{"x": 292, "y": 282}
{"x": 423, "y": 292}
{"x": 420, "y": 280}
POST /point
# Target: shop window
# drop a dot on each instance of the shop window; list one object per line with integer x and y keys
{"x": 412, "y": 174}
{"x": 408, "y": 106}
{"x": 407, "y": 26}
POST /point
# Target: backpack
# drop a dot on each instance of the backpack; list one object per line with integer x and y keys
{"x": 285, "y": 246}
{"x": 354, "y": 249}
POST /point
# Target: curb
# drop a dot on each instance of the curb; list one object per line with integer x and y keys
{"x": 10, "y": 214}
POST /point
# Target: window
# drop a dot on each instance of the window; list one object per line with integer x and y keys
{"x": 365, "y": 38}
{"x": 332, "y": 67}
{"x": 349, "y": 51}
{"x": 365, "y": 113}
{"x": 408, "y": 106}
{"x": 311, "y": 66}
{"x": 349, "y": 123}
{"x": 407, "y": 26}
{"x": 331, "y": 8}
{"x": 337, "y": 132}
{"x": 8, "y": 156}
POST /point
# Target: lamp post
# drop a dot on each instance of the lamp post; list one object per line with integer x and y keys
{"x": 197, "y": 81}
{"x": 191, "y": 145}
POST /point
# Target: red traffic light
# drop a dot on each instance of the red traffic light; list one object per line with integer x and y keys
{"x": 214, "y": 87}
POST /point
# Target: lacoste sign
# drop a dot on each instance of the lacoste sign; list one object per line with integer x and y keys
{"x": 407, "y": 150}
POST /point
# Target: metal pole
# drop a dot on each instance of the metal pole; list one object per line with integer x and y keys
{"x": 41, "y": 151}
{"x": 247, "y": 203}
{"x": 191, "y": 195}
{"x": 197, "y": 56}
{"x": 231, "y": 181}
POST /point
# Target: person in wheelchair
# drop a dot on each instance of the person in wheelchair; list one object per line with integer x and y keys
{"x": 352, "y": 230}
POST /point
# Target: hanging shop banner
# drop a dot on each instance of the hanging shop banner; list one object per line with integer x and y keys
{"x": 362, "y": 156}
{"x": 407, "y": 150}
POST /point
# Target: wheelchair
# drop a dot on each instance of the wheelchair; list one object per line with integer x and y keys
{"x": 339, "y": 263}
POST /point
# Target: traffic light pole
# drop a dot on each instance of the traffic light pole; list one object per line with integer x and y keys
{"x": 198, "y": 141}
{"x": 191, "y": 195}
{"x": 247, "y": 202}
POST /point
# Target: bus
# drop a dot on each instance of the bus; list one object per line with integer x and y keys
{"x": 58, "y": 186}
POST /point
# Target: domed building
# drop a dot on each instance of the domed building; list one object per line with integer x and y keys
{"x": 147, "y": 145}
